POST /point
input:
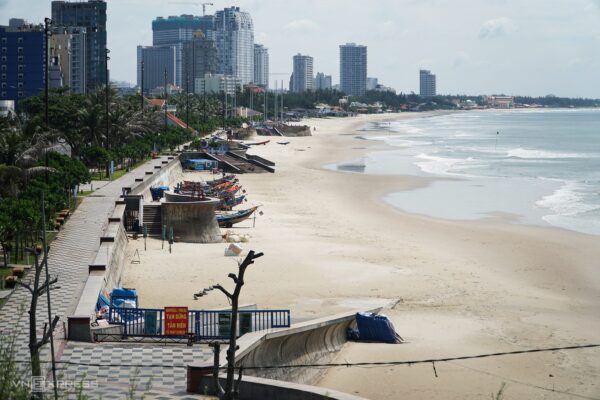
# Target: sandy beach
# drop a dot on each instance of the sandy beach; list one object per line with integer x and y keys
{"x": 331, "y": 244}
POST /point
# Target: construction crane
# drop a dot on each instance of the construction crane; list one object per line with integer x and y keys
{"x": 194, "y": 3}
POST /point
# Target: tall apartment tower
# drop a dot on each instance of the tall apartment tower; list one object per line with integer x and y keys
{"x": 353, "y": 69}
{"x": 156, "y": 60}
{"x": 22, "y": 61}
{"x": 199, "y": 59}
{"x": 90, "y": 15}
{"x": 322, "y": 81}
{"x": 175, "y": 31}
{"x": 427, "y": 83}
{"x": 234, "y": 37}
{"x": 68, "y": 44}
{"x": 303, "y": 73}
{"x": 261, "y": 66}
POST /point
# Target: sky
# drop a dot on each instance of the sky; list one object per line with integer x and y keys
{"x": 513, "y": 47}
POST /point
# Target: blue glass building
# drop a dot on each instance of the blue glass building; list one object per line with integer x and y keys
{"x": 22, "y": 62}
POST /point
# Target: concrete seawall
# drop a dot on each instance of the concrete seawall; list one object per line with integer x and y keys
{"x": 310, "y": 342}
{"x": 192, "y": 221}
{"x": 169, "y": 171}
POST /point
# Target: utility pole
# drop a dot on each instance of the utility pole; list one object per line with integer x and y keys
{"x": 166, "y": 94}
{"x": 281, "y": 101}
{"x": 187, "y": 98}
{"x": 224, "y": 107}
{"x": 51, "y": 330}
{"x": 106, "y": 95}
{"x": 265, "y": 105}
{"x": 275, "y": 115}
{"x": 142, "y": 89}
{"x": 47, "y": 23}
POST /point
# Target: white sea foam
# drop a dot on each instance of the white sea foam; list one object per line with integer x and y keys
{"x": 405, "y": 128}
{"x": 537, "y": 154}
{"x": 567, "y": 200}
{"x": 441, "y": 165}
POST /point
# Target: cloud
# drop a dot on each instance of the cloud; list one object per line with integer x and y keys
{"x": 496, "y": 27}
{"x": 302, "y": 25}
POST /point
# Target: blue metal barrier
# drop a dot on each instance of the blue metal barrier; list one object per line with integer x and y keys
{"x": 202, "y": 324}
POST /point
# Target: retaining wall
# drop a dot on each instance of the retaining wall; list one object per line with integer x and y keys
{"x": 309, "y": 342}
{"x": 192, "y": 221}
{"x": 106, "y": 270}
{"x": 168, "y": 172}
{"x": 253, "y": 388}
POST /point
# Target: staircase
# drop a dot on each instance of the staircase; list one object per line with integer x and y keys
{"x": 152, "y": 219}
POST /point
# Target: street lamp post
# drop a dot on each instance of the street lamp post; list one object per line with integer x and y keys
{"x": 187, "y": 98}
{"x": 106, "y": 51}
{"x": 142, "y": 89}
{"x": 47, "y": 23}
{"x": 166, "y": 94}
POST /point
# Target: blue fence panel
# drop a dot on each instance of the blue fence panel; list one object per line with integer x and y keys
{"x": 203, "y": 324}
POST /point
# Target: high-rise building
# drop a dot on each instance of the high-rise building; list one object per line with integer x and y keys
{"x": 68, "y": 45}
{"x": 175, "y": 31}
{"x": 234, "y": 37}
{"x": 322, "y": 81}
{"x": 90, "y": 15}
{"x": 303, "y": 73}
{"x": 426, "y": 83}
{"x": 199, "y": 59}
{"x": 372, "y": 83}
{"x": 22, "y": 62}
{"x": 261, "y": 66}
{"x": 353, "y": 69}
{"x": 156, "y": 60}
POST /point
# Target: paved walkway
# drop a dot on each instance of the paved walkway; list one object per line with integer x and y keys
{"x": 70, "y": 254}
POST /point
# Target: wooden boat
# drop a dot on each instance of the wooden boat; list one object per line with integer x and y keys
{"x": 257, "y": 143}
{"x": 229, "y": 218}
{"x": 221, "y": 180}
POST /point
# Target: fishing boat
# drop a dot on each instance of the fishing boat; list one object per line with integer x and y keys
{"x": 264, "y": 142}
{"x": 227, "y": 219}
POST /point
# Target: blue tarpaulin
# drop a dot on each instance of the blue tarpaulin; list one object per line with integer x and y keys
{"x": 375, "y": 328}
{"x": 158, "y": 192}
{"x": 121, "y": 295}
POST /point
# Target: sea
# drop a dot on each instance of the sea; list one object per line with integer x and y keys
{"x": 536, "y": 167}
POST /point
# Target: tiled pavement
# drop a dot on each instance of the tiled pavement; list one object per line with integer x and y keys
{"x": 166, "y": 378}
{"x": 70, "y": 254}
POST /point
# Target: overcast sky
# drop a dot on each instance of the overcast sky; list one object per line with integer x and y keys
{"x": 530, "y": 47}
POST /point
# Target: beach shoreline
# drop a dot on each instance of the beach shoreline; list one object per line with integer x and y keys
{"x": 333, "y": 244}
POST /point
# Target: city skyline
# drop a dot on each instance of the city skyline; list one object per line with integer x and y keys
{"x": 489, "y": 50}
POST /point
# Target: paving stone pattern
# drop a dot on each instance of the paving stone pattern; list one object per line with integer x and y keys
{"x": 70, "y": 254}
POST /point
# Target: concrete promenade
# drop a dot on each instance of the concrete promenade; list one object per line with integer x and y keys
{"x": 70, "y": 254}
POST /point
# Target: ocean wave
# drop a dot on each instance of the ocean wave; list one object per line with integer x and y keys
{"x": 405, "y": 128}
{"x": 442, "y": 165}
{"x": 530, "y": 153}
{"x": 568, "y": 199}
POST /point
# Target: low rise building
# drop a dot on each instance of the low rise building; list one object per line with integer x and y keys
{"x": 217, "y": 83}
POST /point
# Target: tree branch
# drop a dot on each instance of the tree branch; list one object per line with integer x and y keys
{"x": 222, "y": 289}
{"x": 45, "y": 286}
{"x": 25, "y": 285}
{"x": 46, "y": 336}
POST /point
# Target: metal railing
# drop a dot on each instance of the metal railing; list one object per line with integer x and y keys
{"x": 202, "y": 324}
